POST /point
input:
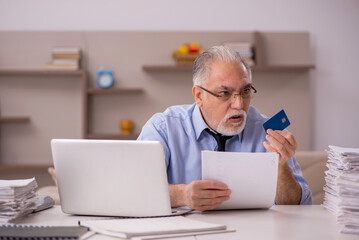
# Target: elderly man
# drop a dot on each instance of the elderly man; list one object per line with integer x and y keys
{"x": 220, "y": 119}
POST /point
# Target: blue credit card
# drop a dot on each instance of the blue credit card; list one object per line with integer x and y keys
{"x": 277, "y": 122}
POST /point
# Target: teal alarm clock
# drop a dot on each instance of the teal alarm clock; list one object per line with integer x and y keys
{"x": 105, "y": 78}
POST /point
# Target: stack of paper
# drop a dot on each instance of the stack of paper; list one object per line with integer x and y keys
{"x": 342, "y": 187}
{"x": 17, "y": 198}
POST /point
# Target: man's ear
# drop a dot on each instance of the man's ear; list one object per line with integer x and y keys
{"x": 198, "y": 95}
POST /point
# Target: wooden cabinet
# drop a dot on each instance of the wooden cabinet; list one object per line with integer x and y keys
{"x": 86, "y": 94}
{"x": 98, "y": 91}
{"x": 141, "y": 59}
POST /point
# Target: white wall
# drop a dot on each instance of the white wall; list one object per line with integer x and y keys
{"x": 333, "y": 27}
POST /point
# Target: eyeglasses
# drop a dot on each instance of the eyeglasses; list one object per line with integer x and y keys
{"x": 225, "y": 95}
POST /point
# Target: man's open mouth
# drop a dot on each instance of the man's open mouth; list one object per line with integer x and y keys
{"x": 236, "y": 118}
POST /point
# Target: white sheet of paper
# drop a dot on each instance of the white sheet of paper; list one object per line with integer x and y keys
{"x": 252, "y": 177}
{"x": 9, "y": 184}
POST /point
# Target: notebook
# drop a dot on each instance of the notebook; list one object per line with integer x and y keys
{"x": 252, "y": 177}
{"x": 18, "y": 232}
{"x": 112, "y": 178}
{"x": 134, "y": 227}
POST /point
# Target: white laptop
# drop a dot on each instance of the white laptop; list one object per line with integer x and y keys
{"x": 112, "y": 178}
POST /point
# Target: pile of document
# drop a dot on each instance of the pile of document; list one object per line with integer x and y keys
{"x": 342, "y": 187}
{"x": 17, "y": 198}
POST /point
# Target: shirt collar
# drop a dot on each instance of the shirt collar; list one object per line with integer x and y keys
{"x": 200, "y": 125}
{"x": 198, "y": 122}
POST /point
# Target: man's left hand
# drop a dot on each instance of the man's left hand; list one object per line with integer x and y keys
{"x": 282, "y": 143}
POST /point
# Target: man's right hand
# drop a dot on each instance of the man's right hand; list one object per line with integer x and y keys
{"x": 199, "y": 195}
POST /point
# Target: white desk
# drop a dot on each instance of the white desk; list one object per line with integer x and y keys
{"x": 279, "y": 222}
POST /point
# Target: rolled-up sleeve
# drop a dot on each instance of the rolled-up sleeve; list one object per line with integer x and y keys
{"x": 306, "y": 198}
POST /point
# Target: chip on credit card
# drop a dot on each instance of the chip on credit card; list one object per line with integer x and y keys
{"x": 278, "y": 122}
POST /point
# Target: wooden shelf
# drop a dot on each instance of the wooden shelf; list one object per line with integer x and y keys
{"x": 112, "y": 136}
{"x": 167, "y": 68}
{"x": 39, "y": 72}
{"x": 282, "y": 68}
{"x": 14, "y": 119}
{"x": 257, "y": 68}
{"x": 8, "y": 168}
{"x": 114, "y": 90}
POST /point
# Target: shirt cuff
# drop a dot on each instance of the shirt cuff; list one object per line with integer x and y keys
{"x": 306, "y": 198}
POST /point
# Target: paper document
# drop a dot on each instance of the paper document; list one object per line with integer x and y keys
{"x": 131, "y": 227}
{"x": 252, "y": 177}
{"x": 17, "y": 198}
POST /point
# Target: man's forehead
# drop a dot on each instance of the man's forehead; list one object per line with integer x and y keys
{"x": 235, "y": 79}
{"x": 219, "y": 69}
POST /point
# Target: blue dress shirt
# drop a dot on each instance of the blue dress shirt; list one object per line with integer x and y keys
{"x": 181, "y": 130}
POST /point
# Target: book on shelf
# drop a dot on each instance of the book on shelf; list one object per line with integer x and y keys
{"x": 135, "y": 227}
{"x": 66, "y": 53}
{"x": 66, "y": 50}
{"x": 66, "y": 56}
{"x": 62, "y": 66}
{"x": 245, "y": 49}
{"x": 65, "y": 62}
{"x": 65, "y": 59}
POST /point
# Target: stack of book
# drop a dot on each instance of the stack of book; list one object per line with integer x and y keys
{"x": 245, "y": 49}
{"x": 342, "y": 187}
{"x": 65, "y": 58}
{"x": 17, "y": 198}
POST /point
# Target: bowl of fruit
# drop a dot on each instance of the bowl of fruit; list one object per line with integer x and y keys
{"x": 187, "y": 53}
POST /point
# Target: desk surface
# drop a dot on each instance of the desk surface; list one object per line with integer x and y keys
{"x": 279, "y": 222}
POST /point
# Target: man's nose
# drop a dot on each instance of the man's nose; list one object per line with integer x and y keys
{"x": 237, "y": 101}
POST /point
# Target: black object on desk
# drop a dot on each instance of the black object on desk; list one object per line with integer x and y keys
{"x": 43, "y": 202}
{"x": 22, "y": 232}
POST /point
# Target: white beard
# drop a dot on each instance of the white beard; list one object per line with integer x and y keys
{"x": 222, "y": 129}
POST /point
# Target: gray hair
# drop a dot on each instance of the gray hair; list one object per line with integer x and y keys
{"x": 202, "y": 65}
